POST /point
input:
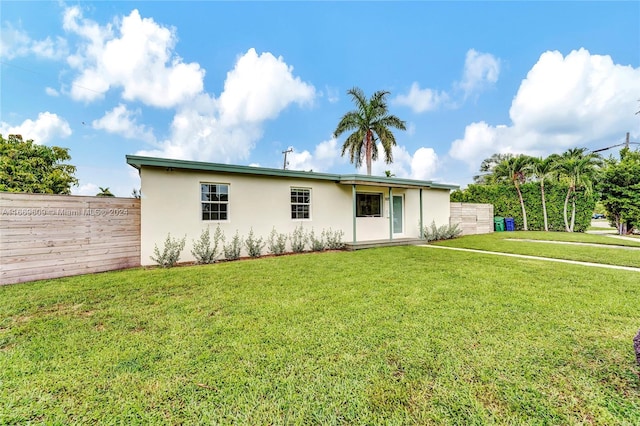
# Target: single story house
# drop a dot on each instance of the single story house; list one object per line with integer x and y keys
{"x": 185, "y": 197}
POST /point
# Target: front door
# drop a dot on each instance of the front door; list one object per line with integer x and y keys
{"x": 398, "y": 214}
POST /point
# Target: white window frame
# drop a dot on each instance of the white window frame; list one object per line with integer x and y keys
{"x": 298, "y": 203}
{"x": 219, "y": 202}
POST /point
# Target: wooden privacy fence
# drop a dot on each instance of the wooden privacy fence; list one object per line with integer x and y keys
{"x": 49, "y": 236}
{"x": 472, "y": 218}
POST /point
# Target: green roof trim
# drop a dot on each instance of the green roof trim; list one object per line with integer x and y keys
{"x": 140, "y": 161}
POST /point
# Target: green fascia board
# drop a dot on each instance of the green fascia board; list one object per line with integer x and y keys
{"x": 141, "y": 161}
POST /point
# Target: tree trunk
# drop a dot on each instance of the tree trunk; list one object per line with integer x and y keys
{"x": 573, "y": 213}
{"x": 564, "y": 212}
{"x": 368, "y": 152}
{"x": 544, "y": 207}
{"x": 524, "y": 211}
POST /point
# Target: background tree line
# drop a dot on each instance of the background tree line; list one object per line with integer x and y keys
{"x": 559, "y": 192}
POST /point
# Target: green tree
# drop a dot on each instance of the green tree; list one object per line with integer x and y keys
{"x": 486, "y": 176}
{"x": 28, "y": 167}
{"x": 620, "y": 190}
{"x": 579, "y": 169}
{"x": 104, "y": 192}
{"x": 543, "y": 169}
{"x": 514, "y": 170}
{"x": 370, "y": 121}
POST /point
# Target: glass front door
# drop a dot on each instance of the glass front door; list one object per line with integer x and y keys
{"x": 398, "y": 214}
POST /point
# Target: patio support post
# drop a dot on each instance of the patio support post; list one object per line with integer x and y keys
{"x": 421, "y": 224}
{"x": 390, "y": 213}
{"x": 353, "y": 193}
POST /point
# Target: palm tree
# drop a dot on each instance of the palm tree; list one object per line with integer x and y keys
{"x": 578, "y": 169}
{"x": 486, "y": 176}
{"x": 543, "y": 169}
{"x": 514, "y": 170}
{"x": 104, "y": 192}
{"x": 370, "y": 121}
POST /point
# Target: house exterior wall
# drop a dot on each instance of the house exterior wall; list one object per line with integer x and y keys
{"x": 171, "y": 204}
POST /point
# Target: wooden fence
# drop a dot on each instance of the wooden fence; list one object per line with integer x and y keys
{"x": 49, "y": 236}
{"x": 472, "y": 218}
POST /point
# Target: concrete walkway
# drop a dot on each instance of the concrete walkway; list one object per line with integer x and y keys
{"x": 548, "y": 259}
{"x": 577, "y": 243}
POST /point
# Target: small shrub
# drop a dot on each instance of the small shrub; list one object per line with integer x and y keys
{"x": 298, "y": 240}
{"x": 170, "y": 252}
{"x": 444, "y": 232}
{"x": 317, "y": 244}
{"x": 334, "y": 239}
{"x": 254, "y": 245}
{"x": 277, "y": 242}
{"x": 202, "y": 250}
{"x": 232, "y": 250}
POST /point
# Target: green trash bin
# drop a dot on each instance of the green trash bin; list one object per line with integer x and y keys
{"x": 498, "y": 224}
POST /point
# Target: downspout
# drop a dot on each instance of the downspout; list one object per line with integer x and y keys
{"x": 390, "y": 213}
{"x": 353, "y": 195}
{"x": 421, "y": 224}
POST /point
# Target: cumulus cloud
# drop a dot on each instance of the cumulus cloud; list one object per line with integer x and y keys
{"x": 565, "y": 101}
{"x": 15, "y": 42}
{"x": 85, "y": 189}
{"x": 480, "y": 71}
{"x": 46, "y": 127}
{"x": 123, "y": 122}
{"x": 422, "y": 164}
{"x": 259, "y": 88}
{"x": 134, "y": 54}
{"x": 421, "y": 100}
{"x": 324, "y": 156}
{"x": 225, "y": 129}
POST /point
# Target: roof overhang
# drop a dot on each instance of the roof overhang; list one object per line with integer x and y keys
{"x": 362, "y": 180}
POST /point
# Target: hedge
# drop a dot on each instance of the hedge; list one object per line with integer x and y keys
{"x": 506, "y": 204}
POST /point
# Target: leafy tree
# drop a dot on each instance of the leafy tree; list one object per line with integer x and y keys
{"x": 543, "y": 169}
{"x": 620, "y": 190}
{"x": 370, "y": 121}
{"x": 514, "y": 170}
{"x": 486, "y": 175}
{"x": 578, "y": 168}
{"x": 104, "y": 192}
{"x": 28, "y": 167}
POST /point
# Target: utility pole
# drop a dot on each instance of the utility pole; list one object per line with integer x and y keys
{"x": 284, "y": 165}
{"x": 626, "y": 144}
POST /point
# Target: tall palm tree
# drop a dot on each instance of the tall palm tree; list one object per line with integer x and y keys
{"x": 514, "y": 170}
{"x": 543, "y": 169}
{"x": 578, "y": 168}
{"x": 370, "y": 121}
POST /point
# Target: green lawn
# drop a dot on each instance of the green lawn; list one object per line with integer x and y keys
{"x": 607, "y": 250}
{"x": 401, "y": 335}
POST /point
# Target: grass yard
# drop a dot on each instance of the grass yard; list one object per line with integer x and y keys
{"x": 607, "y": 250}
{"x": 400, "y": 335}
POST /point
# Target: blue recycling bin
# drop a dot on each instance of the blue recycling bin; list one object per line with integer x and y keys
{"x": 510, "y": 224}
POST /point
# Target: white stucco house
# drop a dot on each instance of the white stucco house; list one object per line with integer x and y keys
{"x": 184, "y": 197}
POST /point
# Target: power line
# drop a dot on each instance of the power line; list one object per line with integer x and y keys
{"x": 45, "y": 77}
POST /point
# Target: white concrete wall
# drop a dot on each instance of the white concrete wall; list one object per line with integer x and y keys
{"x": 171, "y": 204}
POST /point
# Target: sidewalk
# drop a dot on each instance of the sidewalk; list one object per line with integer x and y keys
{"x": 548, "y": 259}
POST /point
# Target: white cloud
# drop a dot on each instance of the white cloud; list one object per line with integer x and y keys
{"x": 259, "y": 88}
{"x": 51, "y": 91}
{"x": 139, "y": 59}
{"x": 46, "y": 127}
{"x": 576, "y": 100}
{"x": 480, "y": 70}
{"x": 15, "y": 42}
{"x": 226, "y": 129}
{"x": 325, "y": 155}
{"x": 422, "y": 165}
{"x": 421, "y": 100}
{"x": 121, "y": 121}
{"x": 85, "y": 189}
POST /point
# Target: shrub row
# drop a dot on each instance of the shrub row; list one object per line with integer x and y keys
{"x": 207, "y": 249}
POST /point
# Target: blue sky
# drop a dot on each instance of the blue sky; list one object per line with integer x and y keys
{"x": 240, "y": 82}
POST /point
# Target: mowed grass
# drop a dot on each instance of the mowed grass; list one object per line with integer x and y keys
{"x": 401, "y": 335}
{"x": 597, "y": 248}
